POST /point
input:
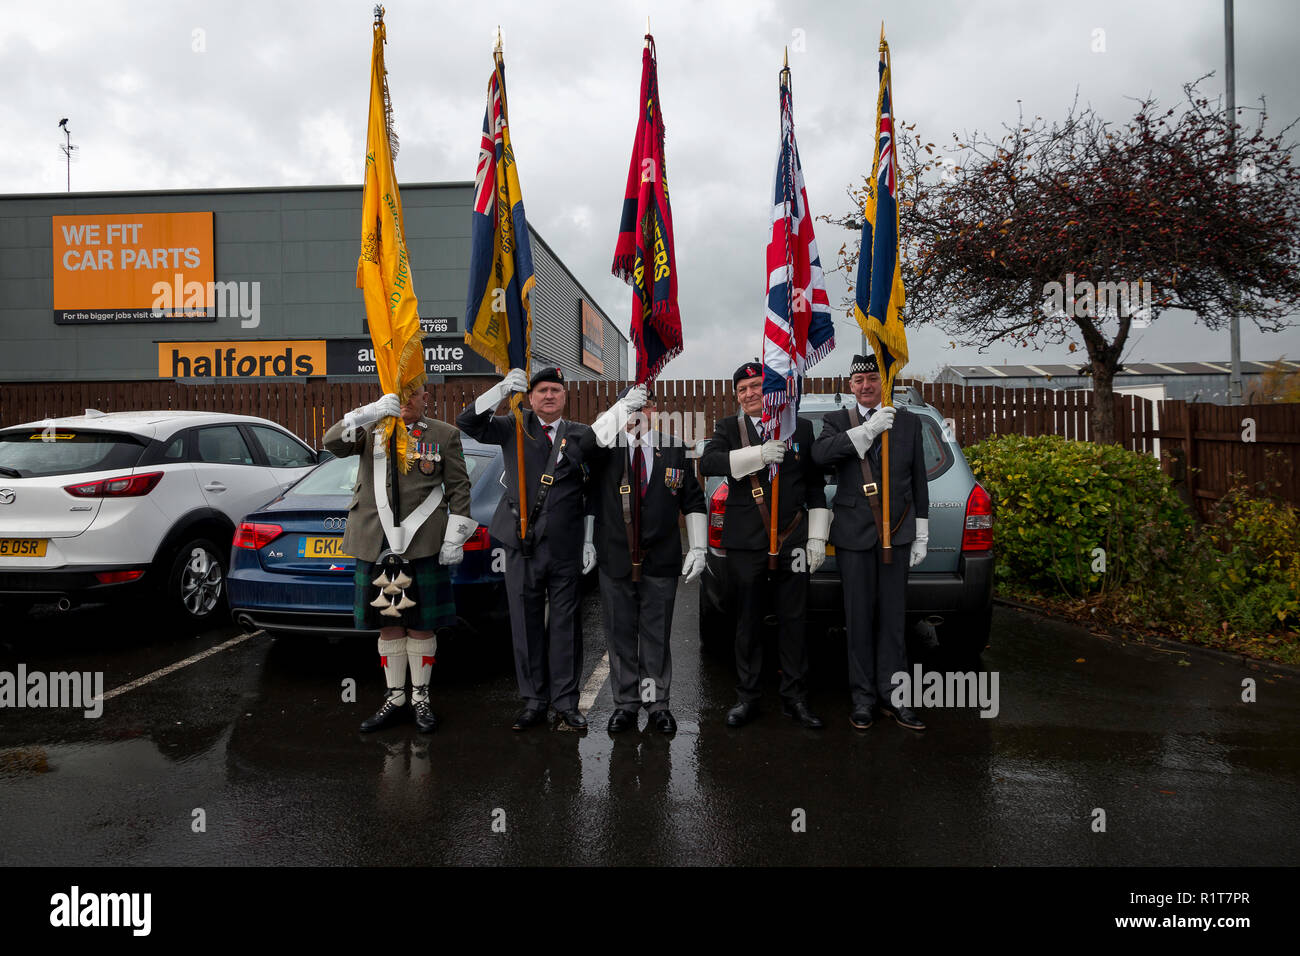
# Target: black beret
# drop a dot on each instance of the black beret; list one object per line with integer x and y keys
{"x": 649, "y": 397}
{"x": 549, "y": 374}
{"x": 749, "y": 370}
{"x": 863, "y": 363}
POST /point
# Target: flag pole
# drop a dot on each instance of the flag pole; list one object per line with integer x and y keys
{"x": 515, "y": 399}
{"x": 887, "y": 552}
{"x": 773, "y": 554}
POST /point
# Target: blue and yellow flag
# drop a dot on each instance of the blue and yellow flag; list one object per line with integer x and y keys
{"x": 879, "y": 291}
{"x": 384, "y": 269}
{"x": 498, "y": 313}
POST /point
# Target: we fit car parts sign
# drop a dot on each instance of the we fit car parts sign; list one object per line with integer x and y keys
{"x": 112, "y": 268}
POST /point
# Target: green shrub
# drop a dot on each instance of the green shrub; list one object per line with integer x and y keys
{"x": 1255, "y": 574}
{"x": 1056, "y": 501}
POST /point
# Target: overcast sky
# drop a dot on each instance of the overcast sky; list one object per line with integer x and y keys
{"x": 167, "y": 95}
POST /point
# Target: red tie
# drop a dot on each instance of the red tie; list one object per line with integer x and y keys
{"x": 638, "y": 463}
{"x": 550, "y": 439}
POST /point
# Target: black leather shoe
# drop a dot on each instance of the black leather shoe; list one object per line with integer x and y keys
{"x": 529, "y": 717}
{"x": 387, "y": 715}
{"x": 861, "y": 718}
{"x": 742, "y": 713}
{"x": 621, "y": 720}
{"x": 904, "y": 717}
{"x": 662, "y": 721}
{"x": 798, "y": 709}
{"x": 426, "y": 721}
{"x": 573, "y": 719}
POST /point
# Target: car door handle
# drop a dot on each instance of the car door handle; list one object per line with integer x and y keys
{"x": 214, "y": 486}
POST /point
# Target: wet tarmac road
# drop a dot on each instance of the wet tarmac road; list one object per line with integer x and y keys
{"x": 257, "y": 736}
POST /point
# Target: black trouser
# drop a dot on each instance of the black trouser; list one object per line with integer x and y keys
{"x": 548, "y": 661}
{"x": 751, "y": 585}
{"x": 638, "y": 626}
{"x": 875, "y": 596}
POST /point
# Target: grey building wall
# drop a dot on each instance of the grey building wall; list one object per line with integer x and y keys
{"x": 1201, "y": 386}
{"x": 300, "y": 244}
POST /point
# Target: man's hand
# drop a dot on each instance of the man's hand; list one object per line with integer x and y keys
{"x": 693, "y": 566}
{"x": 516, "y": 380}
{"x": 921, "y": 543}
{"x": 387, "y": 407}
{"x": 460, "y": 528}
{"x": 773, "y": 452}
{"x": 451, "y": 554}
{"x": 635, "y": 400}
{"x": 863, "y": 435}
{"x": 588, "y": 547}
{"x": 819, "y": 529}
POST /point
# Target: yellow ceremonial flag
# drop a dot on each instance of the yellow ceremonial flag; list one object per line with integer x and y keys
{"x": 384, "y": 269}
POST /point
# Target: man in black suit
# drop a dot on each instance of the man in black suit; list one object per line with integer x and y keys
{"x": 743, "y": 458}
{"x": 638, "y": 587}
{"x": 548, "y": 661}
{"x": 875, "y": 592}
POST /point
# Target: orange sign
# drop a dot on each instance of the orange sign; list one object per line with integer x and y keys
{"x": 112, "y": 268}
{"x": 247, "y": 359}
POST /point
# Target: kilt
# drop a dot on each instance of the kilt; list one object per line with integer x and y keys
{"x": 430, "y": 589}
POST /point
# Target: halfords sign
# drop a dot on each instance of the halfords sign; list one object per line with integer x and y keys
{"x": 301, "y": 359}
{"x": 106, "y": 267}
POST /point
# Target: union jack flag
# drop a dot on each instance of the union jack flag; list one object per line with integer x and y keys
{"x": 798, "y": 330}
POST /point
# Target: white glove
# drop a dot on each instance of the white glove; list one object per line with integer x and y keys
{"x": 609, "y": 425}
{"x": 863, "y": 435}
{"x": 697, "y": 535}
{"x": 459, "y": 530}
{"x": 387, "y": 407}
{"x": 745, "y": 461}
{"x": 922, "y": 540}
{"x": 588, "y": 548}
{"x": 819, "y": 527}
{"x": 516, "y": 380}
{"x": 773, "y": 452}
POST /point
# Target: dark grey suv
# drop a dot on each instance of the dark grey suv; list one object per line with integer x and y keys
{"x": 951, "y": 590}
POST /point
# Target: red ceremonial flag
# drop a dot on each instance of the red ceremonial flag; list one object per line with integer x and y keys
{"x": 646, "y": 236}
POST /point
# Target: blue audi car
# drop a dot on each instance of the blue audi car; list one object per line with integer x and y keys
{"x": 288, "y": 573}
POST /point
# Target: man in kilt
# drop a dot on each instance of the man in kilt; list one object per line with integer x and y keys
{"x": 405, "y": 544}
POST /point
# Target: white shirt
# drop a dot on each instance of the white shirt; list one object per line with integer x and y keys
{"x": 552, "y": 428}
{"x": 866, "y": 412}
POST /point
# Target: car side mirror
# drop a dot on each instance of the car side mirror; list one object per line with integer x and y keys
{"x": 323, "y": 455}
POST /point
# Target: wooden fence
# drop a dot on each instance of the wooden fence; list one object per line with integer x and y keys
{"x": 1205, "y": 446}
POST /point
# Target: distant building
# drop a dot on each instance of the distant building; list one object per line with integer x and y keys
{"x": 253, "y": 284}
{"x": 1189, "y": 381}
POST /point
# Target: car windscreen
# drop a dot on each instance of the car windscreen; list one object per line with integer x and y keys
{"x": 338, "y": 475}
{"x": 46, "y": 451}
{"x": 938, "y": 454}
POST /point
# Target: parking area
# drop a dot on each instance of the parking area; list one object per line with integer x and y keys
{"x": 255, "y": 738}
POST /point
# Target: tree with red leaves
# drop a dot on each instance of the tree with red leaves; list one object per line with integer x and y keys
{"x": 1089, "y": 228}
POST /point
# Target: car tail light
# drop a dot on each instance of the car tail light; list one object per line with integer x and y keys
{"x": 479, "y": 540}
{"x": 123, "y": 486}
{"x": 253, "y": 535}
{"x": 717, "y": 508}
{"x": 117, "y": 577}
{"x": 977, "y": 534}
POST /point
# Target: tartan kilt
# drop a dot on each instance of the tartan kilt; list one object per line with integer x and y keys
{"x": 431, "y": 590}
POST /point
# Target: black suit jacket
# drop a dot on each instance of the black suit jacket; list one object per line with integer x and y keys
{"x": 561, "y": 521}
{"x": 664, "y": 501}
{"x": 802, "y": 484}
{"x": 854, "y": 527}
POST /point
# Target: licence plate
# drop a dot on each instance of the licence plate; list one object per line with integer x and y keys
{"x": 326, "y": 547}
{"x": 22, "y": 547}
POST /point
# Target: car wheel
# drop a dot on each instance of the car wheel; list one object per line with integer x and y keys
{"x": 196, "y": 583}
{"x": 964, "y": 636}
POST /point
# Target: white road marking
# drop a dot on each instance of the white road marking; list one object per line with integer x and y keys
{"x": 171, "y": 668}
{"x": 594, "y": 684}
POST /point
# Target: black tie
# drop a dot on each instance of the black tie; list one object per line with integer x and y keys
{"x": 550, "y": 440}
{"x": 638, "y": 463}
